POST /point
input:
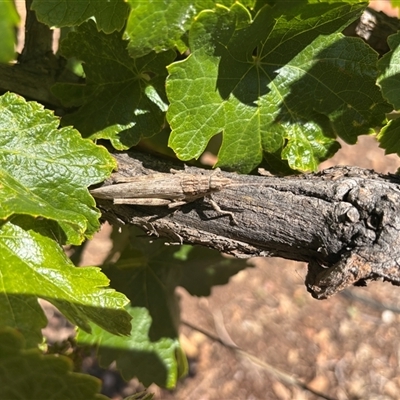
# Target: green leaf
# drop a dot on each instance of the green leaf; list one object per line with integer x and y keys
{"x": 395, "y": 3}
{"x": 9, "y": 20}
{"x": 123, "y": 99}
{"x": 389, "y": 137}
{"x": 33, "y": 266}
{"x": 389, "y": 69}
{"x": 148, "y": 272}
{"x": 44, "y": 174}
{"x": 136, "y": 355}
{"x": 27, "y": 374}
{"x": 202, "y": 268}
{"x": 110, "y": 15}
{"x": 172, "y": 19}
{"x": 389, "y": 81}
{"x": 140, "y": 396}
{"x": 44, "y": 171}
{"x": 284, "y": 81}
{"x": 158, "y": 26}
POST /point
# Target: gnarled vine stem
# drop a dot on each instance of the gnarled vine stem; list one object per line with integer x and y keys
{"x": 344, "y": 221}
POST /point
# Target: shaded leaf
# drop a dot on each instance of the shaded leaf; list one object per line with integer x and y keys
{"x": 389, "y": 81}
{"x": 9, "y": 20}
{"x": 284, "y": 81}
{"x": 123, "y": 99}
{"x": 202, "y": 268}
{"x": 27, "y": 374}
{"x": 136, "y": 355}
{"x": 110, "y": 15}
{"x": 389, "y": 137}
{"x": 389, "y": 70}
{"x": 148, "y": 272}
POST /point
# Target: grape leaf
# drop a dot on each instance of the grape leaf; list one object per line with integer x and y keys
{"x": 44, "y": 172}
{"x": 123, "y": 99}
{"x": 202, "y": 268}
{"x": 18, "y": 199}
{"x": 389, "y": 137}
{"x": 148, "y": 272}
{"x": 24, "y": 314}
{"x": 395, "y": 3}
{"x": 172, "y": 19}
{"x": 33, "y": 266}
{"x": 9, "y": 20}
{"x": 284, "y": 81}
{"x": 110, "y": 15}
{"x": 161, "y": 362}
{"x": 389, "y": 81}
{"x": 44, "y": 377}
{"x": 389, "y": 71}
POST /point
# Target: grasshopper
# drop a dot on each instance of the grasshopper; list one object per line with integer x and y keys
{"x": 171, "y": 190}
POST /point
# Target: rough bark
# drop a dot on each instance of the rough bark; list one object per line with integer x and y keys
{"x": 344, "y": 221}
{"x": 37, "y": 69}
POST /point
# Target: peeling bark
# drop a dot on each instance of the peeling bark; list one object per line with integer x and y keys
{"x": 344, "y": 221}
